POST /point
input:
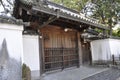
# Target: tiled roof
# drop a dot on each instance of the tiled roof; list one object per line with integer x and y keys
{"x": 78, "y": 15}
{"x": 71, "y": 14}
{"x": 10, "y": 20}
{"x": 28, "y": 2}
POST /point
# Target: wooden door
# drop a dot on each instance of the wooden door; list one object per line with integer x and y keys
{"x": 60, "y": 48}
{"x": 86, "y": 56}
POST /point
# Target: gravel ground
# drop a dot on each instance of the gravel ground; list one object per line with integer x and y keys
{"x": 110, "y": 74}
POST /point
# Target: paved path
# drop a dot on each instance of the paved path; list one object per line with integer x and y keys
{"x": 110, "y": 74}
{"x": 73, "y": 74}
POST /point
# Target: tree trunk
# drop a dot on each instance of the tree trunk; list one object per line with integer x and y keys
{"x": 110, "y": 32}
{"x": 110, "y": 25}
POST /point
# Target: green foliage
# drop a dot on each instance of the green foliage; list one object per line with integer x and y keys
{"x": 73, "y": 4}
{"x": 116, "y": 32}
{"x": 107, "y": 11}
{"x": 26, "y": 73}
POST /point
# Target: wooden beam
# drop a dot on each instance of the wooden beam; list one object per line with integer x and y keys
{"x": 51, "y": 19}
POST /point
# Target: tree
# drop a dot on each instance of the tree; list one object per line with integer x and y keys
{"x": 73, "y": 4}
{"x": 107, "y": 11}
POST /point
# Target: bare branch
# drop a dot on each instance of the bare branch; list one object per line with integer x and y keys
{"x": 10, "y": 2}
{"x": 2, "y": 4}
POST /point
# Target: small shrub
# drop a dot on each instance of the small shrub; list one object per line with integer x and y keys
{"x": 26, "y": 73}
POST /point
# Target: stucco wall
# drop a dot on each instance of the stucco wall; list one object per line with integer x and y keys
{"x": 104, "y": 49}
{"x": 11, "y": 50}
{"x": 115, "y": 47}
{"x": 31, "y": 53}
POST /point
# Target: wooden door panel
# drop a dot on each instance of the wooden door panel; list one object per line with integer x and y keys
{"x": 59, "y": 48}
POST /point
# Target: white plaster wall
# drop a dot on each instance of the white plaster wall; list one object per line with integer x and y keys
{"x": 13, "y": 36}
{"x": 115, "y": 47}
{"x": 11, "y": 50}
{"x": 31, "y": 51}
{"x": 101, "y": 50}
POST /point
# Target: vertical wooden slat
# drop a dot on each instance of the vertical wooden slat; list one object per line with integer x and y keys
{"x": 60, "y": 48}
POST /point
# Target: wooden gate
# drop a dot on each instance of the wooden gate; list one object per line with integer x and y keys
{"x": 60, "y": 48}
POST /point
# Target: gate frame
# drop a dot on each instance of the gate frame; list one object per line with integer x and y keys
{"x": 78, "y": 47}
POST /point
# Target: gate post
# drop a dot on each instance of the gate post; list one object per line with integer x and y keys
{"x": 79, "y": 49}
{"x": 119, "y": 57}
{"x": 113, "y": 59}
